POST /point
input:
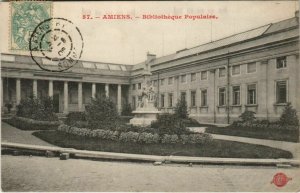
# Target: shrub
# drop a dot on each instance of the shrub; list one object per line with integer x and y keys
{"x": 129, "y": 137}
{"x": 199, "y": 138}
{"x": 169, "y": 124}
{"x": 126, "y": 110}
{"x": 37, "y": 109}
{"x": 289, "y": 116}
{"x": 148, "y": 138}
{"x": 170, "y": 138}
{"x": 248, "y": 116}
{"x": 31, "y": 124}
{"x": 101, "y": 113}
{"x": 105, "y": 134}
{"x": 8, "y": 106}
{"x": 74, "y": 117}
{"x": 134, "y": 128}
{"x": 63, "y": 128}
{"x": 181, "y": 109}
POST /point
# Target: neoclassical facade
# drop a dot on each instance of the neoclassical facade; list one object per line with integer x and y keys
{"x": 256, "y": 70}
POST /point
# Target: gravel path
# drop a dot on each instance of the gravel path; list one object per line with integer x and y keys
{"x": 40, "y": 174}
{"x": 12, "y": 134}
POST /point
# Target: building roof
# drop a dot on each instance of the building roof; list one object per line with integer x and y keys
{"x": 227, "y": 41}
{"x": 86, "y": 65}
{"x": 240, "y": 37}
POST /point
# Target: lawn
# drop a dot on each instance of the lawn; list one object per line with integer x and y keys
{"x": 216, "y": 148}
{"x": 281, "y": 135}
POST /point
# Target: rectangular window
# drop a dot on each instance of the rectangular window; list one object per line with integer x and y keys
{"x": 281, "y": 91}
{"x": 162, "y": 82}
{"x": 162, "y": 100}
{"x": 222, "y": 72}
{"x": 170, "y": 100}
{"x": 155, "y": 83}
{"x": 183, "y": 78}
{"x": 170, "y": 80}
{"x": 236, "y": 95}
{"x": 204, "y": 97}
{"x": 133, "y": 87}
{"x": 139, "y": 86}
{"x": 193, "y": 77}
{"x": 204, "y": 75}
{"x": 222, "y": 96}
{"x": 183, "y": 96}
{"x": 193, "y": 98}
{"x": 236, "y": 69}
{"x": 251, "y": 67}
{"x": 251, "y": 90}
{"x": 281, "y": 62}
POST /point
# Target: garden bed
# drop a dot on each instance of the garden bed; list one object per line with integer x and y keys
{"x": 268, "y": 133}
{"x": 30, "y": 124}
{"x": 215, "y": 148}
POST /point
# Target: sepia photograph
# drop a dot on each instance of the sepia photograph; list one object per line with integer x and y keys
{"x": 150, "y": 96}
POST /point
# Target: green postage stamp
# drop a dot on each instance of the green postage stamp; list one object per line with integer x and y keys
{"x": 25, "y": 16}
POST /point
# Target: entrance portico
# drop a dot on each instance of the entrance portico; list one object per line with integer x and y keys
{"x": 69, "y": 96}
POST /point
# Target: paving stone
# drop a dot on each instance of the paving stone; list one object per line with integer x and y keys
{"x": 49, "y": 154}
{"x": 64, "y": 156}
{"x": 158, "y": 163}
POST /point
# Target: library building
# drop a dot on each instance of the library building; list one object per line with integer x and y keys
{"x": 256, "y": 70}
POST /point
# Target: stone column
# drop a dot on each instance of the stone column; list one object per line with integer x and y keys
{"x": 119, "y": 100}
{"x": 107, "y": 90}
{"x": 94, "y": 90}
{"x": 262, "y": 89}
{"x": 292, "y": 67}
{"x": 50, "y": 88}
{"x": 34, "y": 87}
{"x": 2, "y": 99}
{"x": 66, "y": 97}
{"x": 18, "y": 91}
{"x": 79, "y": 96}
{"x": 212, "y": 94}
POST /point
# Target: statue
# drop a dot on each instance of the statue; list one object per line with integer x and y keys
{"x": 146, "y": 111}
{"x": 147, "y": 96}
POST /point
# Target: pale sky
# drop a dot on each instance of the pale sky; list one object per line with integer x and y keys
{"x": 128, "y": 41}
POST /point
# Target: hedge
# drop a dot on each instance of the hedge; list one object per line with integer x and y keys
{"x": 30, "y": 124}
{"x": 260, "y": 125}
{"x": 137, "y": 137}
{"x": 260, "y": 130}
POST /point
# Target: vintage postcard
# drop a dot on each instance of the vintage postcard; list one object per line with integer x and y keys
{"x": 160, "y": 96}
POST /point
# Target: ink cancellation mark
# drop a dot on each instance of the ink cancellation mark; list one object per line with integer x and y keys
{"x": 58, "y": 42}
{"x": 25, "y": 16}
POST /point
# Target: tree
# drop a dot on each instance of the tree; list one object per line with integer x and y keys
{"x": 289, "y": 116}
{"x": 101, "y": 113}
{"x": 37, "y": 108}
{"x": 248, "y": 116}
{"x": 181, "y": 109}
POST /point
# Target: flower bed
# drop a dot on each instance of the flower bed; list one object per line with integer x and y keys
{"x": 30, "y": 124}
{"x": 216, "y": 148}
{"x": 137, "y": 137}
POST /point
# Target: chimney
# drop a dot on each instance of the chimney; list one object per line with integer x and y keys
{"x": 150, "y": 57}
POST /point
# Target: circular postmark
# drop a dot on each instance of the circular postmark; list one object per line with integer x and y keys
{"x": 56, "y": 44}
{"x": 280, "y": 179}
